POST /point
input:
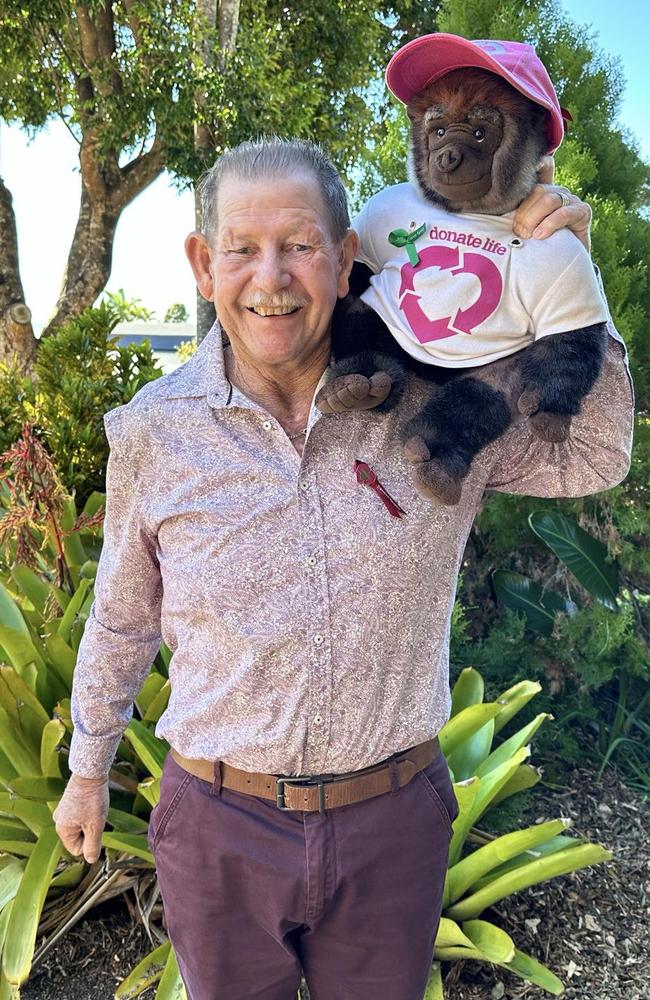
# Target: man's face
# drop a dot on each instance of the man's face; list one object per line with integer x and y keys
{"x": 276, "y": 269}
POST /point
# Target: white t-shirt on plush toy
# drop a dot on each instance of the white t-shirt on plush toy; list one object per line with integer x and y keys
{"x": 477, "y": 293}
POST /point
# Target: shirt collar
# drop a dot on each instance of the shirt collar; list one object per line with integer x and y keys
{"x": 204, "y": 373}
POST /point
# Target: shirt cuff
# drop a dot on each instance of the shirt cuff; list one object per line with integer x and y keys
{"x": 92, "y": 756}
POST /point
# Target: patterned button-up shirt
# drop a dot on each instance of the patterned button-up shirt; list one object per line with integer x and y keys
{"x": 309, "y": 628}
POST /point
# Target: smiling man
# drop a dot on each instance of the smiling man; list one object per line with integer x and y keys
{"x": 305, "y": 809}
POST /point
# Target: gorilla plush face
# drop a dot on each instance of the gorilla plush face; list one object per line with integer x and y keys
{"x": 475, "y": 142}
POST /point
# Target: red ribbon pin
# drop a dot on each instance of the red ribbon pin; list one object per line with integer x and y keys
{"x": 367, "y": 477}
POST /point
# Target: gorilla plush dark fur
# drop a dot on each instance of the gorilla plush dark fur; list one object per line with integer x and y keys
{"x": 475, "y": 145}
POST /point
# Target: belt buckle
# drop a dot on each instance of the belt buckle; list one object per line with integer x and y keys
{"x": 318, "y": 783}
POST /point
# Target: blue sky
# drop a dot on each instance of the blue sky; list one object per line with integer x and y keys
{"x": 149, "y": 262}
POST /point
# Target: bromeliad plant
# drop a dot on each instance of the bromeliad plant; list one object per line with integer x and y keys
{"x": 485, "y": 774}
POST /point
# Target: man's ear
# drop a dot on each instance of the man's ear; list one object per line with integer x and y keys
{"x": 199, "y": 256}
{"x": 348, "y": 251}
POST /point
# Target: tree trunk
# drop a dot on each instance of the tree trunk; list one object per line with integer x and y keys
{"x": 89, "y": 261}
{"x": 17, "y": 340}
{"x": 205, "y": 311}
{"x": 221, "y": 16}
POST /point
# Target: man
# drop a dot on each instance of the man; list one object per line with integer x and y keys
{"x": 309, "y": 626}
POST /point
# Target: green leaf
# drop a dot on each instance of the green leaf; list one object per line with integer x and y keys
{"x": 506, "y": 749}
{"x": 38, "y": 788}
{"x": 51, "y": 737}
{"x": 434, "y": 989}
{"x": 151, "y": 750}
{"x": 72, "y": 609}
{"x": 21, "y": 755}
{"x": 493, "y": 942}
{"x": 35, "y": 815}
{"x": 134, "y": 844}
{"x": 558, "y": 863}
{"x": 528, "y": 968}
{"x": 526, "y": 776}
{"x": 468, "y": 690}
{"x": 30, "y": 897}
{"x": 146, "y": 973}
{"x": 171, "y": 985}
{"x": 584, "y": 555}
{"x": 10, "y": 878}
{"x": 466, "y": 873}
{"x": 513, "y": 700}
{"x": 519, "y": 593}
{"x": 450, "y": 935}
{"x": 15, "y": 636}
{"x": 126, "y": 822}
{"x": 459, "y": 728}
{"x": 32, "y": 586}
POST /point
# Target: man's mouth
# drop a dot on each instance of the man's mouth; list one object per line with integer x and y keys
{"x": 273, "y": 310}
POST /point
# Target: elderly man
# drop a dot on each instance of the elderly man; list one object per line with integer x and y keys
{"x": 305, "y": 809}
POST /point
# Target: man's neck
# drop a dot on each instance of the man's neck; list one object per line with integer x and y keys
{"x": 286, "y": 392}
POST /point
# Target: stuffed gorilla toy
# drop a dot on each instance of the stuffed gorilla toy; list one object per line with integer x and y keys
{"x": 502, "y": 326}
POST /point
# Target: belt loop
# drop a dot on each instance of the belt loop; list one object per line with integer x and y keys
{"x": 216, "y": 784}
{"x": 394, "y": 776}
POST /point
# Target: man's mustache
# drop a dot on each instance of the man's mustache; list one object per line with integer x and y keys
{"x": 281, "y": 300}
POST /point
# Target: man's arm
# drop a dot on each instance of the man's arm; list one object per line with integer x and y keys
{"x": 596, "y": 455}
{"x": 122, "y": 634}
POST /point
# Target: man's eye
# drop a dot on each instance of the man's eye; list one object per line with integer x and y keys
{"x": 441, "y": 131}
{"x": 301, "y": 247}
{"x": 479, "y": 134}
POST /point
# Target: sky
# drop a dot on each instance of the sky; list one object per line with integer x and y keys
{"x": 148, "y": 260}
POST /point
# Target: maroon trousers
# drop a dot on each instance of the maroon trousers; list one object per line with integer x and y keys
{"x": 253, "y": 895}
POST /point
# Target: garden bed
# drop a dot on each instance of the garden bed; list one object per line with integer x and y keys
{"x": 589, "y": 927}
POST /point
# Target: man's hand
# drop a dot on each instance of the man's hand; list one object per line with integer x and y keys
{"x": 543, "y": 211}
{"x": 81, "y": 814}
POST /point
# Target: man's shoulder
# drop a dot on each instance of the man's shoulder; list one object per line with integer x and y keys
{"x": 147, "y": 409}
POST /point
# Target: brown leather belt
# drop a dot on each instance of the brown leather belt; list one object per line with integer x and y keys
{"x": 323, "y": 791}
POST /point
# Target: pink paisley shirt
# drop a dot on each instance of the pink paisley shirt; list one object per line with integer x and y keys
{"x": 308, "y": 628}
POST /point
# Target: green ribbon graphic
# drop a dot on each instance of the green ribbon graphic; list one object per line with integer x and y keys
{"x": 402, "y": 238}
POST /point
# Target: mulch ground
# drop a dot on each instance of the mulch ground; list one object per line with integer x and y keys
{"x": 590, "y": 928}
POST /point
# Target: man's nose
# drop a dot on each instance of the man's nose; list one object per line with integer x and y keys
{"x": 271, "y": 273}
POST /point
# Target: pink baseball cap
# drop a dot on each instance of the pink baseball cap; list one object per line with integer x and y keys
{"x": 429, "y": 57}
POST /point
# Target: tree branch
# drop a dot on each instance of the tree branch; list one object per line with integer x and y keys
{"x": 137, "y": 174}
{"x": 228, "y": 25}
{"x": 16, "y": 333}
{"x": 134, "y": 21}
{"x": 97, "y": 40}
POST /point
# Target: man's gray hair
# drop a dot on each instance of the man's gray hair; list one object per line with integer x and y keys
{"x": 272, "y": 157}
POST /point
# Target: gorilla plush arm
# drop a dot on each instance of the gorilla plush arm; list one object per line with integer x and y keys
{"x": 469, "y": 409}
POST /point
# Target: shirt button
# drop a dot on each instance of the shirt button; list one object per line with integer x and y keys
{"x": 267, "y": 425}
{"x": 311, "y": 560}
{"x": 318, "y": 719}
{"x": 318, "y": 640}
{"x": 304, "y": 485}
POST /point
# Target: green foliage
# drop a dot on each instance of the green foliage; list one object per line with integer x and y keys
{"x": 81, "y": 373}
{"x": 177, "y": 313}
{"x": 297, "y": 69}
{"x": 186, "y": 349}
{"x": 127, "y": 309}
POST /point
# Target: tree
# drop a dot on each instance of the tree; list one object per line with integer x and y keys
{"x": 148, "y": 85}
{"x": 176, "y": 313}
